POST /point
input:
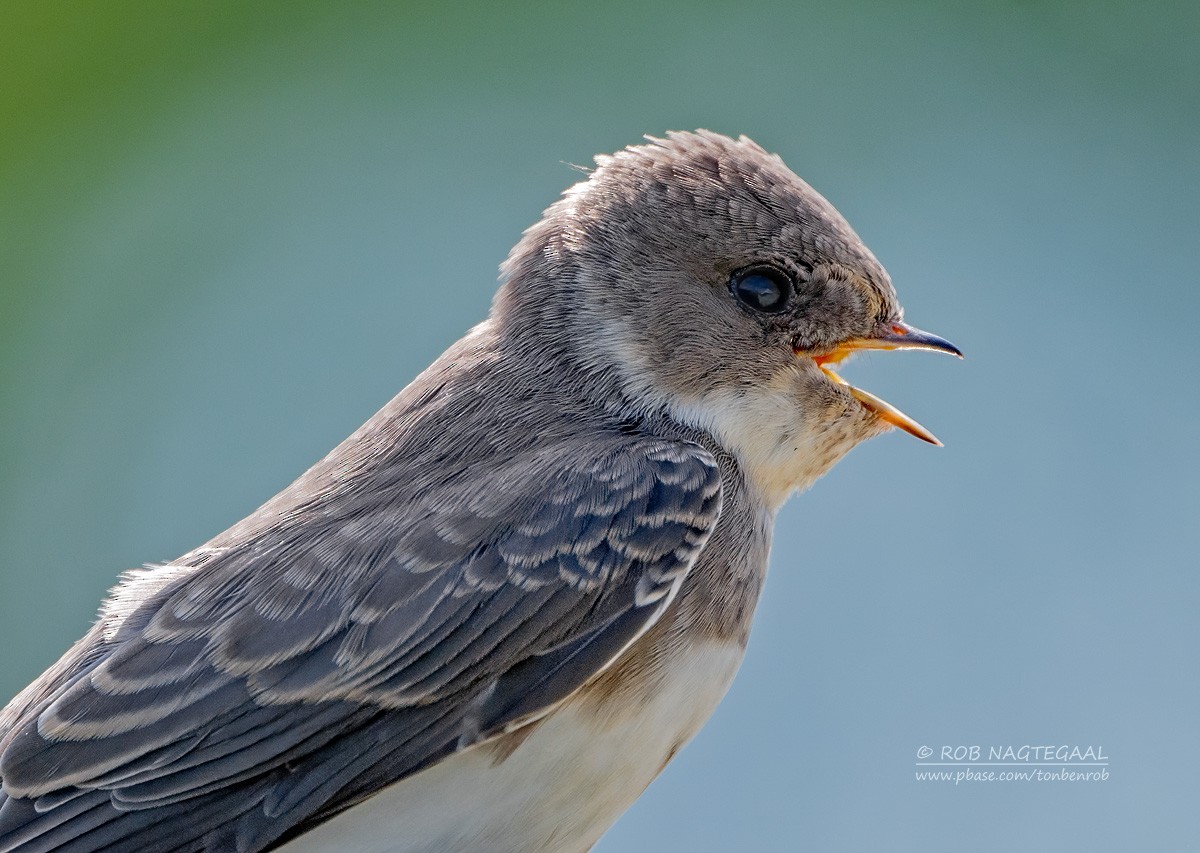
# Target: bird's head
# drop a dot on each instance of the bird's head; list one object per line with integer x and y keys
{"x": 715, "y": 284}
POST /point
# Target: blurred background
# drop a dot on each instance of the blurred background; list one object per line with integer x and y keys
{"x": 230, "y": 232}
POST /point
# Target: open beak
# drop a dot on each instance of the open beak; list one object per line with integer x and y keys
{"x": 896, "y": 336}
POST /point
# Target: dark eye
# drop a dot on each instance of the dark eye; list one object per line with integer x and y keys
{"x": 762, "y": 288}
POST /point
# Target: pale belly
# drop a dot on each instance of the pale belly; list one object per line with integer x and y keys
{"x": 558, "y": 790}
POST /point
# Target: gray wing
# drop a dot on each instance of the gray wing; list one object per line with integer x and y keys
{"x": 291, "y": 675}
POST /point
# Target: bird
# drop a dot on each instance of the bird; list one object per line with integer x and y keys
{"x": 489, "y": 618}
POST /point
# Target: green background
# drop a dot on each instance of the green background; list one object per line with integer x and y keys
{"x": 229, "y": 232}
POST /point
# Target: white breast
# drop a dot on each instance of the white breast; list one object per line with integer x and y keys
{"x": 566, "y": 783}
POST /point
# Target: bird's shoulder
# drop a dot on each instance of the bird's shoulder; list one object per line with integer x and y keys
{"x": 427, "y": 615}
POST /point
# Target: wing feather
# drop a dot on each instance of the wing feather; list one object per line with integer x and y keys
{"x": 289, "y": 675}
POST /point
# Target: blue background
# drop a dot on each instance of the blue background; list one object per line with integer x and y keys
{"x": 229, "y": 233}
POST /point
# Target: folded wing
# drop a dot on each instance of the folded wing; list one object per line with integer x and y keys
{"x": 351, "y": 644}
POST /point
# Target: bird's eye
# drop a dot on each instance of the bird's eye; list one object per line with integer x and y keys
{"x": 762, "y": 288}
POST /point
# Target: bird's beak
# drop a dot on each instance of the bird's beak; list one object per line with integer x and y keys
{"x": 895, "y": 336}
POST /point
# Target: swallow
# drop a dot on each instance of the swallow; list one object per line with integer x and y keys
{"x": 488, "y": 619}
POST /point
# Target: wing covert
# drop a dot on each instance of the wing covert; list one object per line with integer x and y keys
{"x": 416, "y": 623}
